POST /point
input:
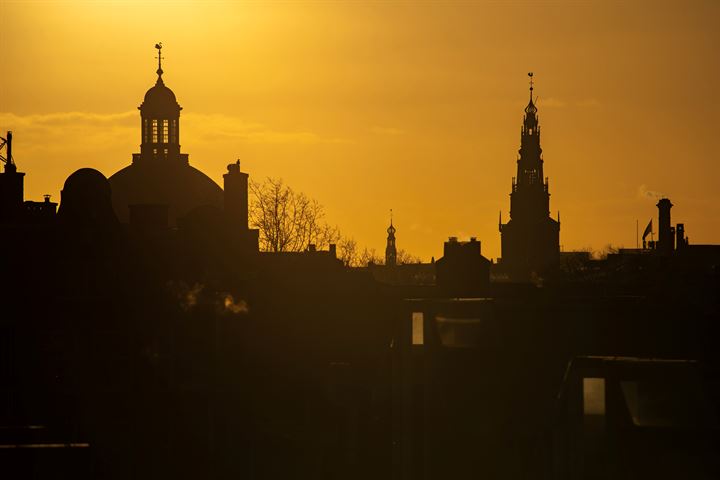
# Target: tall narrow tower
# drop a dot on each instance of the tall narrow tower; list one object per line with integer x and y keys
{"x": 390, "y": 249}
{"x": 530, "y": 239}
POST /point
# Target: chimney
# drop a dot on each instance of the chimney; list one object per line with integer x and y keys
{"x": 680, "y": 236}
{"x": 665, "y": 233}
{"x": 236, "y": 196}
{"x": 333, "y": 250}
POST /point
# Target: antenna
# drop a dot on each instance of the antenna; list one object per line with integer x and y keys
{"x": 8, "y": 159}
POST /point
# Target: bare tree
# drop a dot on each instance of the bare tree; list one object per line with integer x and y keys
{"x": 403, "y": 258}
{"x": 352, "y": 256}
{"x": 608, "y": 249}
{"x": 369, "y": 256}
{"x": 348, "y": 252}
{"x": 288, "y": 221}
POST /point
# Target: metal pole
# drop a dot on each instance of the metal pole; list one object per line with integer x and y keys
{"x": 9, "y": 152}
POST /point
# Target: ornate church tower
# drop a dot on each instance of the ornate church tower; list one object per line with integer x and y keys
{"x": 390, "y": 249}
{"x": 531, "y": 239}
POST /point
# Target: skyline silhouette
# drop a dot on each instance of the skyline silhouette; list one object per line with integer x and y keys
{"x": 157, "y": 323}
{"x": 453, "y": 118}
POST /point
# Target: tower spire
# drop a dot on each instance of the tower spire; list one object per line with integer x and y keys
{"x": 530, "y": 74}
{"x": 159, "y": 58}
{"x": 391, "y": 249}
{"x": 530, "y": 238}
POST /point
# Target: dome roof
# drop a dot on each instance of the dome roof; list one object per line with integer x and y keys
{"x": 160, "y": 94}
{"x": 179, "y": 186}
{"x": 87, "y": 181}
{"x": 160, "y": 99}
{"x": 86, "y": 199}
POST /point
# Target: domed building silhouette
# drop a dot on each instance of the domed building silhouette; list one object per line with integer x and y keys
{"x": 160, "y": 174}
{"x": 86, "y": 200}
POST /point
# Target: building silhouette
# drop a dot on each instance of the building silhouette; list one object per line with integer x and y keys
{"x": 462, "y": 270}
{"x": 14, "y": 209}
{"x": 530, "y": 240}
{"x": 160, "y": 174}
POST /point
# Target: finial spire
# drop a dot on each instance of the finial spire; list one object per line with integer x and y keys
{"x": 159, "y": 57}
{"x": 391, "y": 217}
{"x": 530, "y": 74}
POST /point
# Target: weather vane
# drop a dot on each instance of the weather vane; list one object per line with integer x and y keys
{"x": 159, "y": 57}
{"x": 530, "y": 74}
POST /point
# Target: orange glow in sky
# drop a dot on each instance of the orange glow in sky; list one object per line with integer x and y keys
{"x": 365, "y": 106}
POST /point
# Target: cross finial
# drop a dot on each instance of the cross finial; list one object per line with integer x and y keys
{"x": 530, "y": 74}
{"x": 159, "y": 57}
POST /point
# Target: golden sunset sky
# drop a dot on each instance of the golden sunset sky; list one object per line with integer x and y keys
{"x": 367, "y": 106}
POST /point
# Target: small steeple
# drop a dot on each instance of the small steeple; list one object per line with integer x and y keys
{"x": 530, "y": 122}
{"x": 390, "y": 249}
{"x": 159, "y": 59}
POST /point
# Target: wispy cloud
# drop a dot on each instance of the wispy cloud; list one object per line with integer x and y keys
{"x": 588, "y": 103}
{"x": 65, "y": 118}
{"x": 550, "y": 102}
{"x": 225, "y": 127}
{"x": 416, "y": 227}
{"x": 63, "y": 133}
{"x": 88, "y": 130}
{"x": 387, "y": 130}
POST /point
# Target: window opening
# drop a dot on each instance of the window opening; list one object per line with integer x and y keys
{"x": 418, "y": 324}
